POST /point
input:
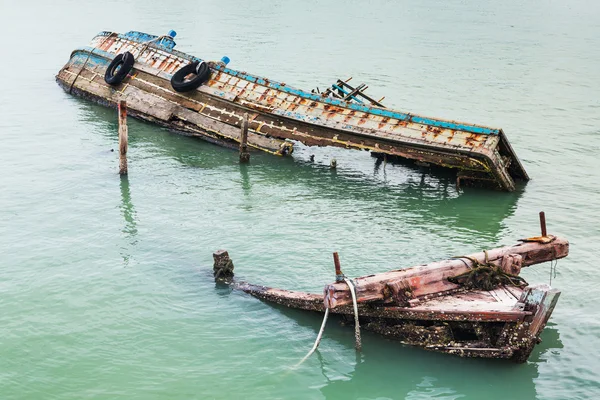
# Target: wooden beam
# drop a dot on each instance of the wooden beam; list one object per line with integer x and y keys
{"x": 425, "y": 279}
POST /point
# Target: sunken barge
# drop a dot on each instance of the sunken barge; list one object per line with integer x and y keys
{"x": 208, "y": 100}
{"x": 471, "y": 306}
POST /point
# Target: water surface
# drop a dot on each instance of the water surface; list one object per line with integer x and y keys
{"x": 105, "y": 282}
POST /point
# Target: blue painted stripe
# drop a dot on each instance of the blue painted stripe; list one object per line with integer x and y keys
{"x": 334, "y": 86}
{"x": 359, "y": 107}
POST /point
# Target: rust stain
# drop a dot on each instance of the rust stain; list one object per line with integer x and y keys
{"x": 451, "y": 135}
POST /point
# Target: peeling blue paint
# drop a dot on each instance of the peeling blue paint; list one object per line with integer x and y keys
{"x": 168, "y": 44}
{"x": 359, "y": 107}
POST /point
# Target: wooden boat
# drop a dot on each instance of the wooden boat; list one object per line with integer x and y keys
{"x": 342, "y": 116}
{"x": 429, "y": 306}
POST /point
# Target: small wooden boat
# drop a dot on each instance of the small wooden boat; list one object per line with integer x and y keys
{"x": 147, "y": 72}
{"x": 438, "y": 306}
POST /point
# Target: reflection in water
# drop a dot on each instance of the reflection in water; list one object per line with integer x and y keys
{"x": 130, "y": 228}
{"x": 551, "y": 343}
{"x": 392, "y": 192}
{"x": 410, "y": 372}
{"x": 246, "y": 185}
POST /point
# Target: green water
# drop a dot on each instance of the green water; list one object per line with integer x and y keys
{"x": 105, "y": 283}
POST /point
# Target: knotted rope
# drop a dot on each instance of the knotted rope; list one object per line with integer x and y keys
{"x": 486, "y": 276}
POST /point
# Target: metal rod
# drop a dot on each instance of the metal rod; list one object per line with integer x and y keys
{"x": 336, "y": 262}
{"x": 543, "y": 223}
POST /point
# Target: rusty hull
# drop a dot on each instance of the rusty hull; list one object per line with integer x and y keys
{"x": 278, "y": 112}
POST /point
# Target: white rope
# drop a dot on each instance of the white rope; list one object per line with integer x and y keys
{"x": 319, "y": 336}
{"x": 356, "y": 323}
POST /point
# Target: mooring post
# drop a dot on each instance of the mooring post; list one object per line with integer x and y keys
{"x": 543, "y": 223}
{"x": 244, "y": 155}
{"x": 223, "y": 267}
{"x": 339, "y": 275}
{"x": 123, "y": 143}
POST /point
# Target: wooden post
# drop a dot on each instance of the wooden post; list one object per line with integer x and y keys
{"x": 123, "y": 143}
{"x": 244, "y": 155}
{"x": 223, "y": 267}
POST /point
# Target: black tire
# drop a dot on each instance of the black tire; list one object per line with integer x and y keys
{"x": 200, "y": 69}
{"x": 125, "y": 62}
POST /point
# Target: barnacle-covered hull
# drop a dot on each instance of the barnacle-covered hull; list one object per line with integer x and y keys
{"x": 420, "y": 306}
{"x": 279, "y": 113}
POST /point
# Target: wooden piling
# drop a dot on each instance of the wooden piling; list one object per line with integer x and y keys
{"x": 223, "y": 266}
{"x": 123, "y": 140}
{"x": 244, "y": 155}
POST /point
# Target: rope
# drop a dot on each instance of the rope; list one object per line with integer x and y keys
{"x": 553, "y": 265}
{"x": 86, "y": 60}
{"x": 486, "y": 276}
{"x": 147, "y": 44}
{"x": 356, "y": 323}
{"x": 319, "y": 336}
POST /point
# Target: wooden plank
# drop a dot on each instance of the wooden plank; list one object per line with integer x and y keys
{"x": 451, "y": 309}
{"x": 149, "y": 104}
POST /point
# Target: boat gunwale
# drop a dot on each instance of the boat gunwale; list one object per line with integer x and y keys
{"x": 440, "y": 148}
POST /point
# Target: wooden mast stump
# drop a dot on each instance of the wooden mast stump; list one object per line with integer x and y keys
{"x": 244, "y": 155}
{"x": 123, "y": 140}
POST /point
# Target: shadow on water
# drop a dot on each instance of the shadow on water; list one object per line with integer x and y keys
{"x": 413, "y": 372}
{"x": 392, "y": 191}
